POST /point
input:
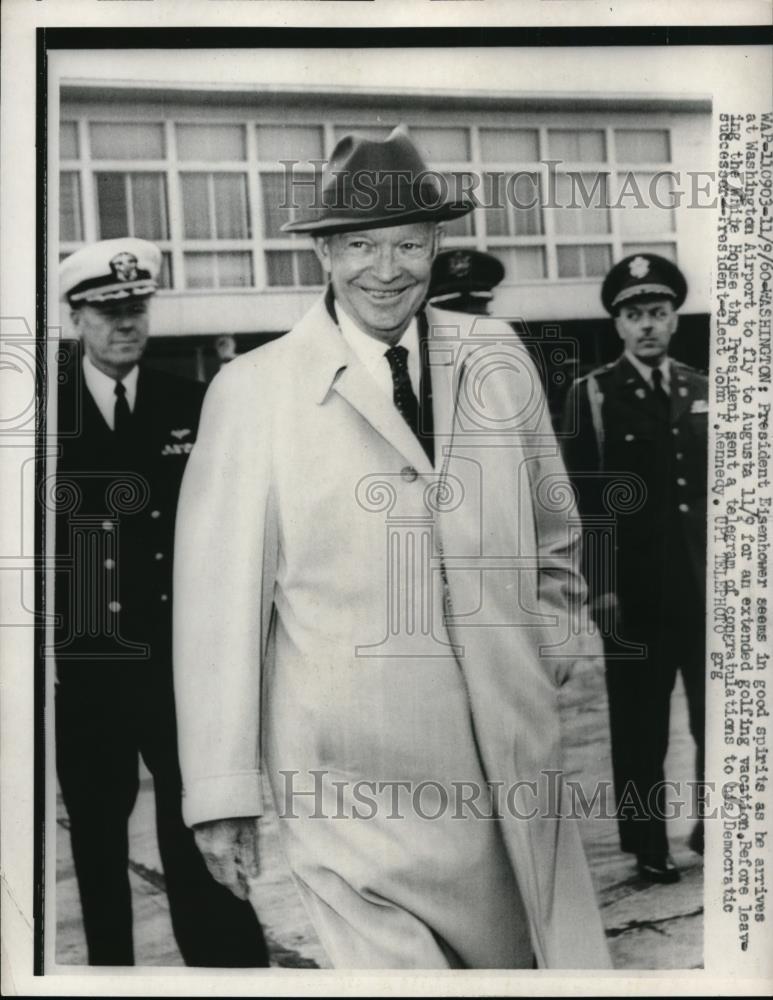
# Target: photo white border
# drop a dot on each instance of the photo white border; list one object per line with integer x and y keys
{"x": 20, "y": 18}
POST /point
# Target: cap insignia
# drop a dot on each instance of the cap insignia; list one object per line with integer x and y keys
{"x": 124, "y": 267}
{"x": 638, "y": 267}
{"x": 459, "y": 264}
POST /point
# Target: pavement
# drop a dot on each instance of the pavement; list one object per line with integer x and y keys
{"x": 647, "y": 926}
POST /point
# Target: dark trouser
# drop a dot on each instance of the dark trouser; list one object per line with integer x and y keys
{"x": 107, "y": 714}
{"x": 639, "y": 712}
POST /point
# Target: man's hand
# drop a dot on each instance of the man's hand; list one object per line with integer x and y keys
{"x": 230, "y": 849}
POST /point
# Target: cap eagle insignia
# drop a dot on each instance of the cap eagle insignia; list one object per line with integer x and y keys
{"x": 124, "y": 267}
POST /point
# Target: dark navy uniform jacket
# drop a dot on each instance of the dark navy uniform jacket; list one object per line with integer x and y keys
{"x": 115, "y": 517}
{"x": 648, "y": 471}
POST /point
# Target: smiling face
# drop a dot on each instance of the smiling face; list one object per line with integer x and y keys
{"x": 114, "y": 336}
{"x": 380, "y": 276}
{"x": 646, "y": 327}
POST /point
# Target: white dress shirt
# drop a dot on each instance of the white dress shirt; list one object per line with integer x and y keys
{"x": 102, "y": 389}
{"x": 371, "y": 351}
{"x": 646, "y": 371}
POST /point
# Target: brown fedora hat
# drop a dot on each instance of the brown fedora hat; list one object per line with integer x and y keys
{"x": 369, "y": 184}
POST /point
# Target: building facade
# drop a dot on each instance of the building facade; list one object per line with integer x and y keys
{"x": 565, "y": 184}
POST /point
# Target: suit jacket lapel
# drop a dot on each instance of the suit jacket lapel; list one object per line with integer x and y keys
{"x": 343, "y": 373}
{"x": 356, "y": 386}
{"x": 445, "y": 375}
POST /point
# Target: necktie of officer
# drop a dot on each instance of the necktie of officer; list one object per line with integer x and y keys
{"x": 659, "y": 392}
{"x": 122, "y": 415}
{"x": 402, "y": 392}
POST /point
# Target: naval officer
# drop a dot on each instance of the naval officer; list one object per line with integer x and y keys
{"x": 125, "y": 433}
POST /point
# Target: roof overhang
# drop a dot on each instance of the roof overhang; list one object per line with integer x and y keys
{"x": 132, "y": 91}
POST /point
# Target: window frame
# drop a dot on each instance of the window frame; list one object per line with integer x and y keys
{"x": 258, "y": 245}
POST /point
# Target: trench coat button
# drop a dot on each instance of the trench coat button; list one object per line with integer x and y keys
{"x": 159, "y": 555}
{"x": 109, "y": 563}
{"x": 155, "y": 514}
{"x": 629, "y": 437}
{"x": 114, "y": 606}
{"x": 107, "y": 525}
{"x": 164, "y": 597}
{"x": 681, "y": 481}
{"x": 684, "y": 507}
{"x": 409, "y": 474}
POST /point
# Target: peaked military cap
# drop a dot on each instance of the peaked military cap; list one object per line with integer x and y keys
{"x": 110, "y": 271}
{"x": 458, "y": 274}
{"x": 643, "y": 274}
{"x": 369, "y": 184}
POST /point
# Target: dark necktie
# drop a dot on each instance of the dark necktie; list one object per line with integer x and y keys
{"x": 402, "y": 392}
{"x": 122, "y": 419}
{"x": 659, "y": 392}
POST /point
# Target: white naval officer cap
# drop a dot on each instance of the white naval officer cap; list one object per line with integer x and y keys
{"x": 110, "y": 271}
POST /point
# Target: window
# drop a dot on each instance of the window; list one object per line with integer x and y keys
{"x": 513, "y": 204}
{"x": 582, "y": 204}
{"x": 289, "y": 142}
{"x": 286, "y": 197}
{"x": 215, "y": 206}
{"x": 642, "y": 145}
{"x": 667, "y": 250}
{"x": 211, "y": 142}
{"x": 127, "y": 141}
{"x": 68, "y": 141}
{"x": 582, "y": 211}
{"x": 165, "y": 274}
{"x": 442, "y": 144}
{"x": 218, "y": 270}
{"x": 571, "y": 145}
{"x": 522, "y": 263}
{"x": 299, "y": 267}
{"x": 583, "y": 261}
{"x": 644, "y": 200}
{"x": 499, "y": 145}
{"x": 231, "y": 194}
{"x": 70, "y": 225}
{"x": 132, "y": 205}
{"x": 456, "y": 187}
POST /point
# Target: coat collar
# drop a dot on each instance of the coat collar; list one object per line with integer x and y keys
{"x": 336, "y": 369}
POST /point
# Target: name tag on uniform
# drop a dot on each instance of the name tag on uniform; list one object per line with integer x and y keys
{"x": 699, "y": 406}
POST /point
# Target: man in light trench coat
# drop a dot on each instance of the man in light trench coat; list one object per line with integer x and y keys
{"x": 377, "y": 599}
